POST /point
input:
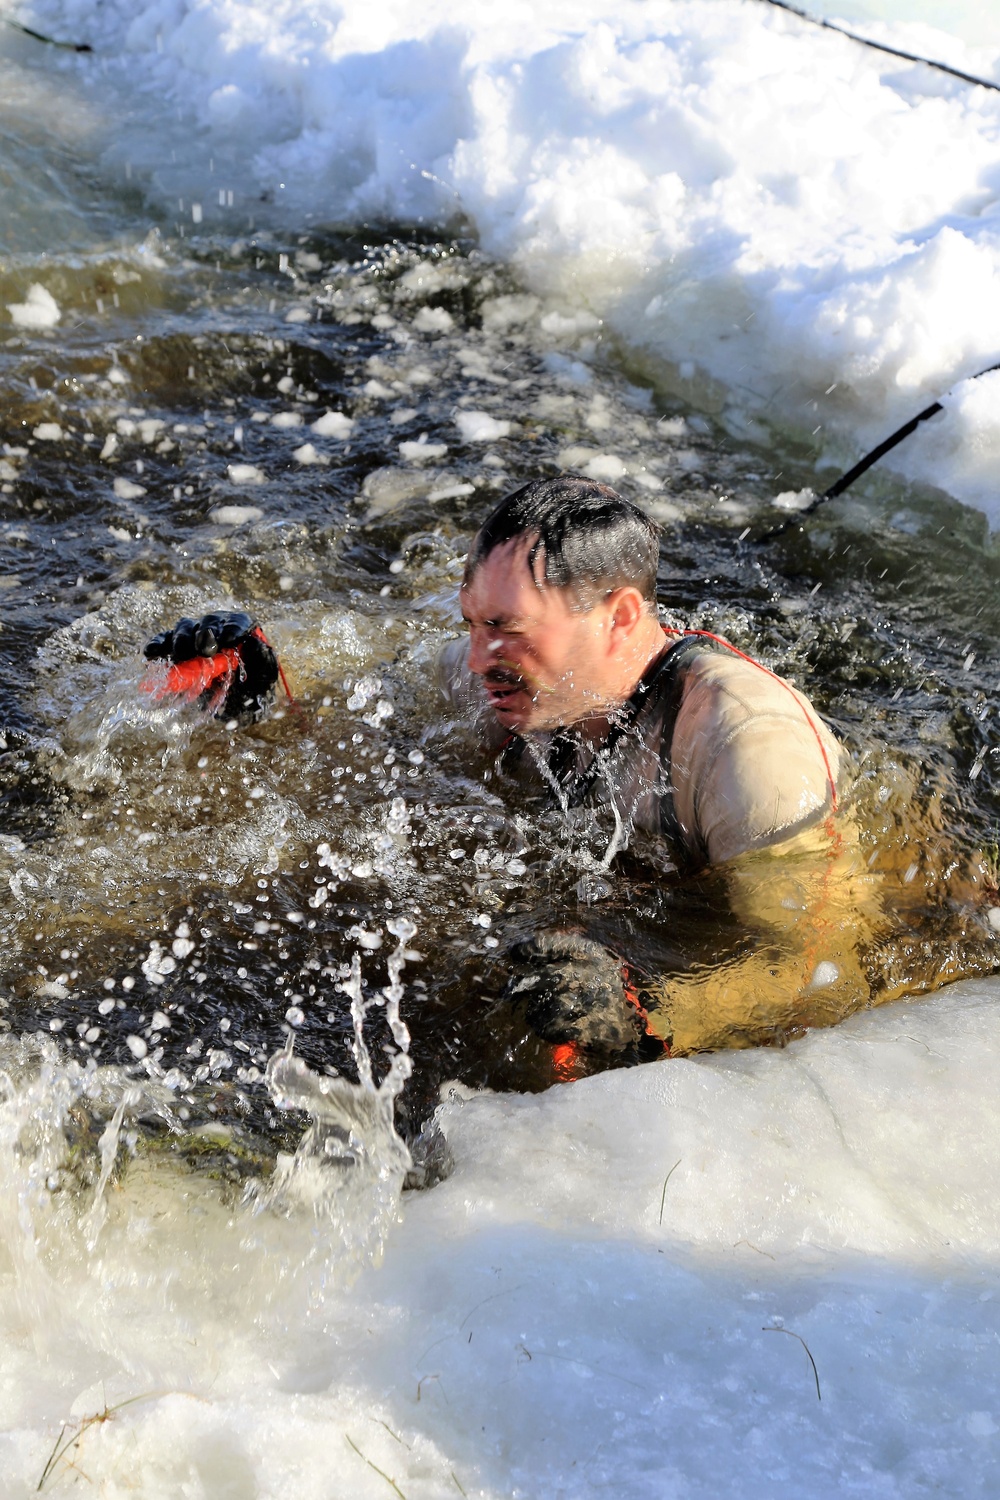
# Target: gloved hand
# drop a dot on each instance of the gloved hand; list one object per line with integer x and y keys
{"x": 223, "y": 660}
{"x": 574, "y": 991}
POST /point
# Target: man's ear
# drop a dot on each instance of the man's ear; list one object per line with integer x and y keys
{"x": 626, "y": 608}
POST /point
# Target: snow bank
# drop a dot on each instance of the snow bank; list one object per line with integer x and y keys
{"x": 832, "y": 1145}
{"x": 621, "y": 1289}
{"x": 792, "y": 227}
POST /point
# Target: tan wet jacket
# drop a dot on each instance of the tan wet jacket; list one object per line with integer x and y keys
{"x": 720, "y": 755}
{"x": 751, "y": 763}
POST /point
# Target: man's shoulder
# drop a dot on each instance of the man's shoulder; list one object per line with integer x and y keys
{"x": 752, "y": 760}
{"x": 733, "y": 689}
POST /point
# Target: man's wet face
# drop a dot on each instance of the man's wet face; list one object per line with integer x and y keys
{"x": 542, "y": 662}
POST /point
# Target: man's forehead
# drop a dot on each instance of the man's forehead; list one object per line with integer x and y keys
{"x": 506, "y": 586}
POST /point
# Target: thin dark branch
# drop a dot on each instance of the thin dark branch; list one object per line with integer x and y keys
{"x": 380, "y": 1472}
{"x": 865, "y": 41}
{"x": 663, "y": 1195}
{"x": 49, "y": 41}
{"x": 76, "y": 1430}
{"x": 805, "y": 1346}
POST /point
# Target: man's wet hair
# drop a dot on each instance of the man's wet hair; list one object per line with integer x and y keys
{"x": 588, "y": 539}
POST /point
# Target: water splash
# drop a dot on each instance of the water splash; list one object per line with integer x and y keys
{"x": 94, "y": 1220}
{"x": 96, "y": 765}
{"x": 70, "y": 1132}
{"x": 53, "y": 1193}
{"x": 348, "y": 1169}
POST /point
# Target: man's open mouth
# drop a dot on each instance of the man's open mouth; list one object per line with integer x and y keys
{"x": 500, "y": 690}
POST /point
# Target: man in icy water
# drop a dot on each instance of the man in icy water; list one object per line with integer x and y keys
{"x": 685, "y": 736}
{"x": 678, "y": 736}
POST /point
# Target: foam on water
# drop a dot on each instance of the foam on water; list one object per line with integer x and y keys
{"x": 789, "y": 228}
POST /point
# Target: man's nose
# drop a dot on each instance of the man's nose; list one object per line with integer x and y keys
{"x": 480, "y": 656}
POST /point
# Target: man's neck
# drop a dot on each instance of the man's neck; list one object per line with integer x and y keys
{"x": 648, "y": 647}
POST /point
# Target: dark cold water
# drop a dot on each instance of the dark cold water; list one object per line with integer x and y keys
{"x": 176, "y": 897}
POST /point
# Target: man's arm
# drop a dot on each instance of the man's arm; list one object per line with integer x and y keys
{"x": 809, "y": 908}
{"x": 754, "y": 774}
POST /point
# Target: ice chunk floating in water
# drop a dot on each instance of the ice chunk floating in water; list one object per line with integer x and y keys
{"x": 39, "y": 309}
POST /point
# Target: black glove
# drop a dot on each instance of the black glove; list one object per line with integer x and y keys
{"x": 574, "y": 991}
{"x": 251, "y": 662}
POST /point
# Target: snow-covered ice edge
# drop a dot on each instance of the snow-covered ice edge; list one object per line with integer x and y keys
{"x": 795, "y": 230}
{"x": 747, "y": 1274}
